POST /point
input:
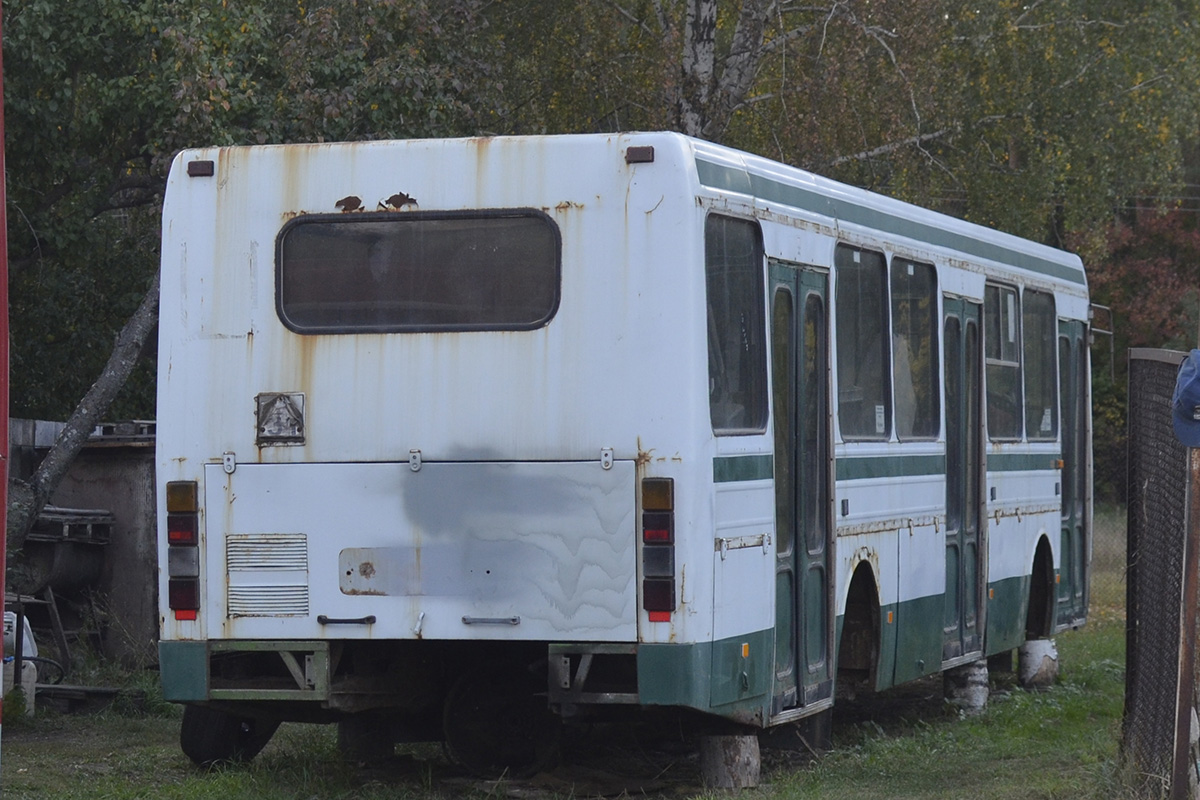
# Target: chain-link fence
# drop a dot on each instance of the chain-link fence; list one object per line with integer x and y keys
{"x": 1158, "y": 681}
{"x": 1106, "y": 586}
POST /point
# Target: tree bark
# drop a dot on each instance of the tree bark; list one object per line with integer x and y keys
{"x": 26, "y": 499}
{"x": 740, "y": 69}
{"x": 697, "y": 66}
{"x": 706, "y": 99}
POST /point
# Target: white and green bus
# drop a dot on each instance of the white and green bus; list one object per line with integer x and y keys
{"x": 459, "y": 438}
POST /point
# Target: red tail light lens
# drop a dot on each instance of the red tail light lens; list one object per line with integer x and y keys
{"x": 183, "y": 594}
{"x": 658, "y": 527}
{"x": 181, "y": 529}
{"x": 658, "y": 594}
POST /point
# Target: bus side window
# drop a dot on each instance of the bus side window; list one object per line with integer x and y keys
{"x": 737, "y": 353}
{"x": 864, "y": 402}
{"x": 915, "y": 349}
{"x": 1002, "y": 339}
{"x": 1041, "y": 382}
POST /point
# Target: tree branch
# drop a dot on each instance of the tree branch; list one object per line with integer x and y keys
{"x": 631, "y": 17}
{"x": 885, "y": 149}
{"x": 27, "y": 499}
{"x": 740, "y": 65}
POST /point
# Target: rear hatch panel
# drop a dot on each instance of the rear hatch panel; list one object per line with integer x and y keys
{"x": 449, "y": 550}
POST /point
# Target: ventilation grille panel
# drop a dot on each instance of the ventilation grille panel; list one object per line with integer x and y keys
{"x": 268, "y": 574}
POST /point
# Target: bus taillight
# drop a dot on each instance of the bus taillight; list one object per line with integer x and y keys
{"x": 658, "y": 548}
{"x": 183, "y": 551}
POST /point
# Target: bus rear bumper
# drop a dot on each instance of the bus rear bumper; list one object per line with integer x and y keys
{"x": 301, "y": 671}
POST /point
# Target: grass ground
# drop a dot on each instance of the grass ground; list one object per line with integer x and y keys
{"x": 1058, "y": 744}
{"x": 1061, "y": 743}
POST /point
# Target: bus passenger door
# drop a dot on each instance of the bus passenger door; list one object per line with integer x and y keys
{"x": 804, "y": 533}
{"x": 1073, "y": 411}
{"x": 964, "y": 481}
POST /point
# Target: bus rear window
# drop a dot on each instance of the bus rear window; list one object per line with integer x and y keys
{"x": 418, "y": 272}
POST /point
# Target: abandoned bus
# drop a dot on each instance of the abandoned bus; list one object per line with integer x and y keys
{"x": 459, "y": 438}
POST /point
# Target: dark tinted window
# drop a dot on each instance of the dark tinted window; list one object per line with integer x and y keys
{"x": 392, "y": 272}
{"x": 737, "y": 353}
{"x": 1002, "y": 343}
{"x": 914, "y": 349}
{"x": 1041, "y": 379}
{"x": 864, "y": 404}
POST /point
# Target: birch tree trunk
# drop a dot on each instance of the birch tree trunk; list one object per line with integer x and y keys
{"x": 26, "y": 499}
{"x": 708, "y": 97}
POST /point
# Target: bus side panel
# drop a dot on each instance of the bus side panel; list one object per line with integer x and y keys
{"x": 1025, "y": 510}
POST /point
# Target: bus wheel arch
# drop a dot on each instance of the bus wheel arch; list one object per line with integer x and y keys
{"x": 1039, "y": 616}
{"x": 858, "y": 648}
{"x": 1037, "y": 658}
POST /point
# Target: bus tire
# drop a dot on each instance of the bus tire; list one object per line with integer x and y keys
{"x": 499, "y": 725}
{"x": 210, "y": 737}
{"x": 365, "y": 737}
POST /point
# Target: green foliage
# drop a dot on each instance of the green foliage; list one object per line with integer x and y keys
{"x": 1149, "y": 277}
{"x": 1073, "y": 104}
{"x": 1038, "y": 118}
{"x": 1109, "y": 475}
{"x": 583, "y": 67}
{"x": 99, "y": 96}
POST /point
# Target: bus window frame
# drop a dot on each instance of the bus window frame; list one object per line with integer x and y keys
{"x": 753, "y": 331}
{"x": 553, "y": 270}
{"x": 993, "y": 363}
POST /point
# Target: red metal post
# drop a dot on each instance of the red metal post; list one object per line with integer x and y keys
{"x": 3, "y": 353}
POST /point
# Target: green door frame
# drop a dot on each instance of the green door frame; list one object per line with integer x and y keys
{"x": 1073, "y": 412}
{"x": 966, "y": 557}
{"x": 803, "y": 482}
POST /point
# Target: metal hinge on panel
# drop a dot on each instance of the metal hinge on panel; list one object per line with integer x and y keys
{"x": 414, "y": 460}
{"x": 606, "y": 457}
{"x": 229, "y": 462}
{"x": 310, "y": 679}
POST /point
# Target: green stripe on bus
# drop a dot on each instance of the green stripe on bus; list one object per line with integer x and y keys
{"x": 1008, "y": 601}
{"x": 732, "y": 469}
{"x": 849, "y": 469}
{"x": 718, "y": 176}
{"x": 710, "y": 676}
{"x": 1022, "y": 462}
{"x": 183, "y": 669}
